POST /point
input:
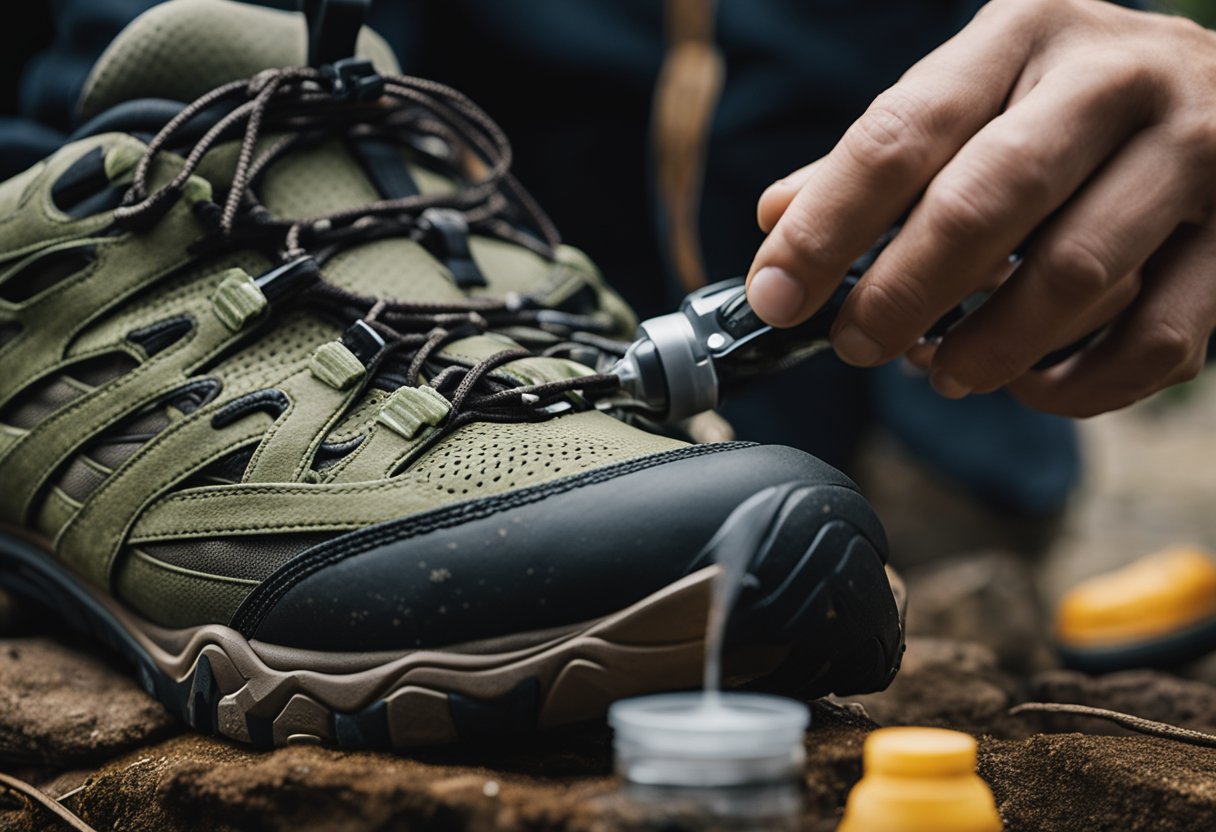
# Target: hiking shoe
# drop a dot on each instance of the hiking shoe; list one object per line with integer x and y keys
{"x": 296, "y": 414}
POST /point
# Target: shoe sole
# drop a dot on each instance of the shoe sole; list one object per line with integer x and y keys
{"x": 221, "y": 683}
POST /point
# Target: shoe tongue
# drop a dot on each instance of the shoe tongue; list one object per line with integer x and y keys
{"x": 182, "y": 49}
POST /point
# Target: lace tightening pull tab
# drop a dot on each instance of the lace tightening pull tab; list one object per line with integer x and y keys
{"x": 409, "y": 408}
{"x": 241, "y": 298}
{"x": 238, "y": 300}
{"x": 334, "y": 364}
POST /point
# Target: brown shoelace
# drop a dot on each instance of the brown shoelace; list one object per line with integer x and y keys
{"x": 1140, "y": 725}
{"x": 304, "y": 97}
{"x": 305, "y": 103}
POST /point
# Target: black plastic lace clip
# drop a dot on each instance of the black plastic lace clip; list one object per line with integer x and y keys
{"x": 445, "y": 233}
{"x": 288, "y": 278}
{"x": 363, "y": 342}
{"x": 354, "y": 79}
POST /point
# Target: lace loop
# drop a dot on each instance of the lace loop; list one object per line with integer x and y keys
{"x": 405, "y": 341}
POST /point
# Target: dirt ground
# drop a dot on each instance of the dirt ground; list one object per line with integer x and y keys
{"x": 80, "y": 729}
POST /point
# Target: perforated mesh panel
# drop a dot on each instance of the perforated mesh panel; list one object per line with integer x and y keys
{"x": 269, "y": 359}
{"x": 398, "y": 269}
{"x": 314, "y": 181}
{"x": 510, "y": 456}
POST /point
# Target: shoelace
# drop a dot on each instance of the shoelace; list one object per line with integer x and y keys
{"x": 336, "y": 100}
{"x": 1148, "y": 727}
{"x": 415, "y": 333}
{"x": 310, "y": 97}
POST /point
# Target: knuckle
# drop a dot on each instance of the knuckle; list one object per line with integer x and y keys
{"x": 1121, "y": 77}
{"x": 885, "y": 306}
{"x": 1194, "y": 136}
{"x": 887, "y": 137}
{"x": 802, "y": 237}
{"x": 1015, "y": 156}
{"x": 1184, "y": 28}
{"x": 1076, "y": 272}
{"x": 804, "y": 240}
{"x": 1189, "y": 370}
{"x": 957, "y": 211}
{"x": 1130, "y": 82}
{"x": 1167, "y": 347}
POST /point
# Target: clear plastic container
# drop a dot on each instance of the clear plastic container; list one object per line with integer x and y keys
{"x": 709, "y": 740}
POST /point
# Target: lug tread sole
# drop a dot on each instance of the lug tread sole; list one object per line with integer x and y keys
{"x": 217, "y": 683}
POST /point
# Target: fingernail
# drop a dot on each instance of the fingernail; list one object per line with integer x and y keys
{"x": 949, "y": 386}
{"x": 776, "y": 296}
{"x": 855, "y": 347}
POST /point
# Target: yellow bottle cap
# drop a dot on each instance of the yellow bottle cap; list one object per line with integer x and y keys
{"x": 919, "y": 752}
{"x": 1155, "y": 596}
{"x": 920, "y": 780}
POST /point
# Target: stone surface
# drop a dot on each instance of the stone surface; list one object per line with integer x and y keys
{"x": 60, "y": 706}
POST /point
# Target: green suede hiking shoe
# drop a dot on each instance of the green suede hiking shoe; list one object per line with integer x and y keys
{"x": 296, "y": 413}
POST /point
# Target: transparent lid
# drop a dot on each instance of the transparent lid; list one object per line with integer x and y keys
{"x": 695, "y": 739}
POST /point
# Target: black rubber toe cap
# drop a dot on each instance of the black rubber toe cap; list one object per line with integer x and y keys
{"x": 555, "y": 554}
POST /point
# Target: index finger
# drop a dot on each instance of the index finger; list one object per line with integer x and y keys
{"x": 882, "y": 163}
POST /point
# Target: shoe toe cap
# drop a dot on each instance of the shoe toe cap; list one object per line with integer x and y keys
{"x": 569, "y": 551}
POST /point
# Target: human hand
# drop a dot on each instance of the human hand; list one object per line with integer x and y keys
{"x": 1088, "y": 129}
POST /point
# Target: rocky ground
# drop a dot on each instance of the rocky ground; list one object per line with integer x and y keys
{"x": 78, "y": 727}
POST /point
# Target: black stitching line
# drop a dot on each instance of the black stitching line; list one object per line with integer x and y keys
{"x": 258, "y": 603}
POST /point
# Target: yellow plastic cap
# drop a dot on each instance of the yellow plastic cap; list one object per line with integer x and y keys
{"x": 919, "y": 752}
{"x": 1157, "y": 595}
{"x": 920, "y": 780}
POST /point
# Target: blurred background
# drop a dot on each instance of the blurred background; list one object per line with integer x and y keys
{"x": 1202, "y": 10}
